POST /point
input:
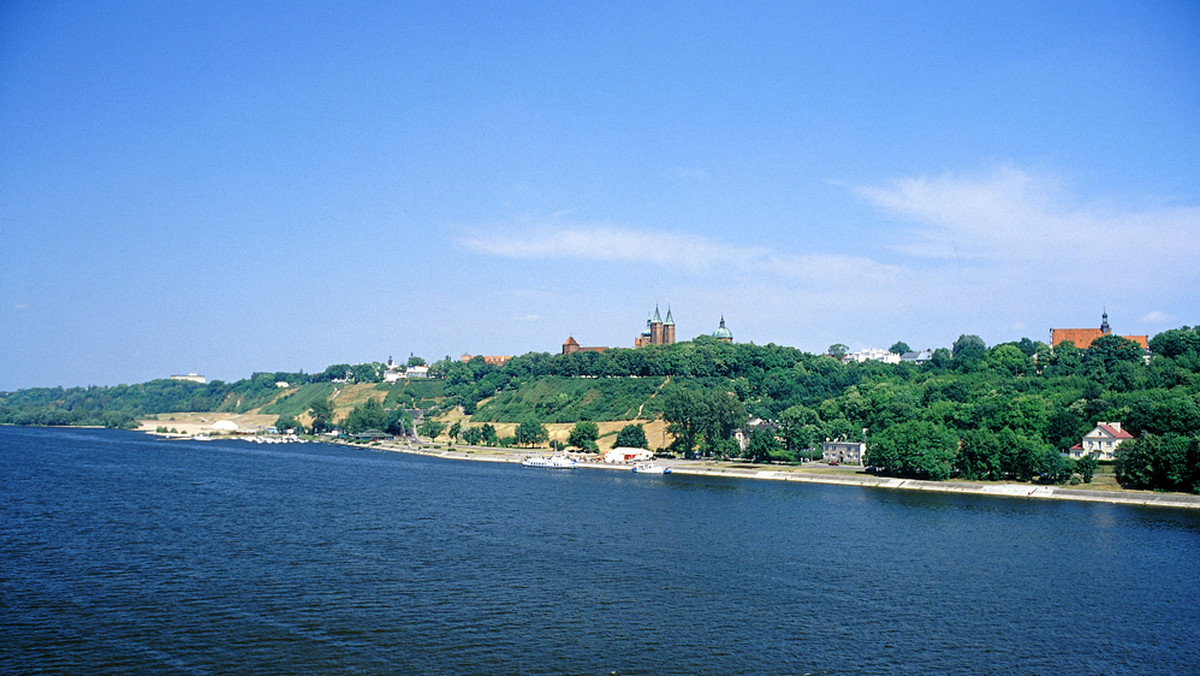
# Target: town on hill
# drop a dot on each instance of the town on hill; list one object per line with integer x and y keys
{"x": 1018, "y": 411}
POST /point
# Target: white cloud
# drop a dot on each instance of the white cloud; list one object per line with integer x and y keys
{"x": 608, "y": 243}
{"x": 1156, "y": 317}
{"x": 694, "y": 253}
{"x": 1002, "y": 251}
{"x": 1026, "y": 226}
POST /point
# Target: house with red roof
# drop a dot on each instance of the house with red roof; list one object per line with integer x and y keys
{"x": 1101, "y": 443}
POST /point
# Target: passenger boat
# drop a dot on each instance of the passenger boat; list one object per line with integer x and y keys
{"x": 557, "y": 461}
{"x": 651, "y": 468}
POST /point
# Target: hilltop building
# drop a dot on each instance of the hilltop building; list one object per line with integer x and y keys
{"x": 494, "y": 360}
{"x": 572, "y": 346}
{"x": 658, "y": 331}
{"x": 190, "y": 377}
{"x": 872, "y": 354}
{"x": 1082, "y": 338}
{"x": 723, "y": 334}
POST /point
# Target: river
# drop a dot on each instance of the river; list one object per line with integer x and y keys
{"x": 122, "y": 552}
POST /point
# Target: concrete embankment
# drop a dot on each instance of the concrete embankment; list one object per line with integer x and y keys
{"x": 735, "y": 470}
{"x": 1030, "y": 491}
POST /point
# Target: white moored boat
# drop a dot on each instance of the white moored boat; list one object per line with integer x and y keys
{"x": 557, "y": 461}
{"x": 651, "y": 468}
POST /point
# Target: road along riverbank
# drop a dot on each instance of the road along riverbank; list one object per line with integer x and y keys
{"x": 800, "y": 474}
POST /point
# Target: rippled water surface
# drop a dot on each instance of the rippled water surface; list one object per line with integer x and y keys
{"x": 124, "y": 553}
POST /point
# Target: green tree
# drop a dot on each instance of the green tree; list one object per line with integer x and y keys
{"x": 1170, "y": 461}
{"x": 286, "y": 422}
{"x": 584, "y": 435}
{"x": 632, "y": 436}
{"x": 322, "y": 415}
{"x": 706, "y": 418}
{"x": 764, "y": 446}
{"x": 472, "y": 436}
{"x": 487, "y": 434}
{"x": 415, "y": 361}
{"x": 366, "y": 416}
{"x": 899, "y": 347}
{"x": 914, "y": 449}
{"x": 455, "y": 431}
{"x": 800, "y": 427}
{"x": 979, "y": 457}
{"x": 838, "y": 351}
{"x": 530, "y": 433}
{"x": 969, "y": 351}
{"x": 1010, "y": 360}
{"x": 430, "y": 428}
{"x": 1086, "y": 468}
{"x": 1053, "y": 467}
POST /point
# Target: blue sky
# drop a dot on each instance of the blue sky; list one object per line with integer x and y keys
{"x": 237, "y": 187}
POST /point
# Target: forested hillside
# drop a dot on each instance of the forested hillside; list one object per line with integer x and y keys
{"x": 1004, "y": 412}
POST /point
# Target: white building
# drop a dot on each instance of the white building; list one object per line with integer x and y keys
{"x": 1101, "y": 443}
{"x": 843, "y": 452}
{"x": 626, "y": 454}
{"x": 917, "y": 357}
{"x": 417, "y": 372}
{"x": 191, "y": 378}
{"x": 872, "y": 354}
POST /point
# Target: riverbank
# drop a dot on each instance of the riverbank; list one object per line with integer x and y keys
{"x": 841, "y": 477}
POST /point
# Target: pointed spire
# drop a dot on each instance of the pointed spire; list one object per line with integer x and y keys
{"x": 670, "y": 321}
{"x": 657, "y": 317}
{"x": 1104, "y": 323}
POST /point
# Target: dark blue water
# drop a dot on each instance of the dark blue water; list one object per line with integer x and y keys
{"x": 122, "y": 553}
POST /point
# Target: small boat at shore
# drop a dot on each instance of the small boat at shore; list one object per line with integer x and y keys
{"x": 651, "y": 468}
{"x": 557, "y": 461}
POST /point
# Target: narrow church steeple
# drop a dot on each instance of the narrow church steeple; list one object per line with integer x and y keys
{"x": 1104, "y": 323}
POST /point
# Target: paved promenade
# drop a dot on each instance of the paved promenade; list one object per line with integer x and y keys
{"x": 844, "y": 477}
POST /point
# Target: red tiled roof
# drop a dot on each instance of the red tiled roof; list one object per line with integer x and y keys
{"x": 1083, "y": 337}
{"x": 1118, "y": 434}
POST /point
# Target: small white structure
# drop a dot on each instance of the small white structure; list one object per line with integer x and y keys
{"x": 843, "y": 452}
{"x": 1101, "y": 443}
{"x": 190, "y": 377}
{"x": 225, "y": 426}
{"x": 872, "y": 354}
{"x": 917, "y": 357}
{"x": 417, "y": 372}
{"x": 627, "y": 454}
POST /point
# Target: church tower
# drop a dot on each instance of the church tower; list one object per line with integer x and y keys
{"x": 1104, "y": 330}
{"x": 669, "y": 329}
{"x": 656, "y": 328}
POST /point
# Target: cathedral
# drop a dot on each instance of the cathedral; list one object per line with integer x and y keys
{"x": 658, "y": 331}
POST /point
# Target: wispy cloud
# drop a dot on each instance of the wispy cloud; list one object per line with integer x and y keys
{"x": 1156, "y": 317}
{"x": 691, "y": 253}
{"x": 1008, "y": 247}
{"x": 1027, "y": 224}
{"x": 606, "y": 243}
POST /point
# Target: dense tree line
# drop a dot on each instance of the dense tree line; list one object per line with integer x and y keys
{"x": 1011, "y": 408}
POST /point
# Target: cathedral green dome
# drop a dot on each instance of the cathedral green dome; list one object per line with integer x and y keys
{"x": 723, "y": 333}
